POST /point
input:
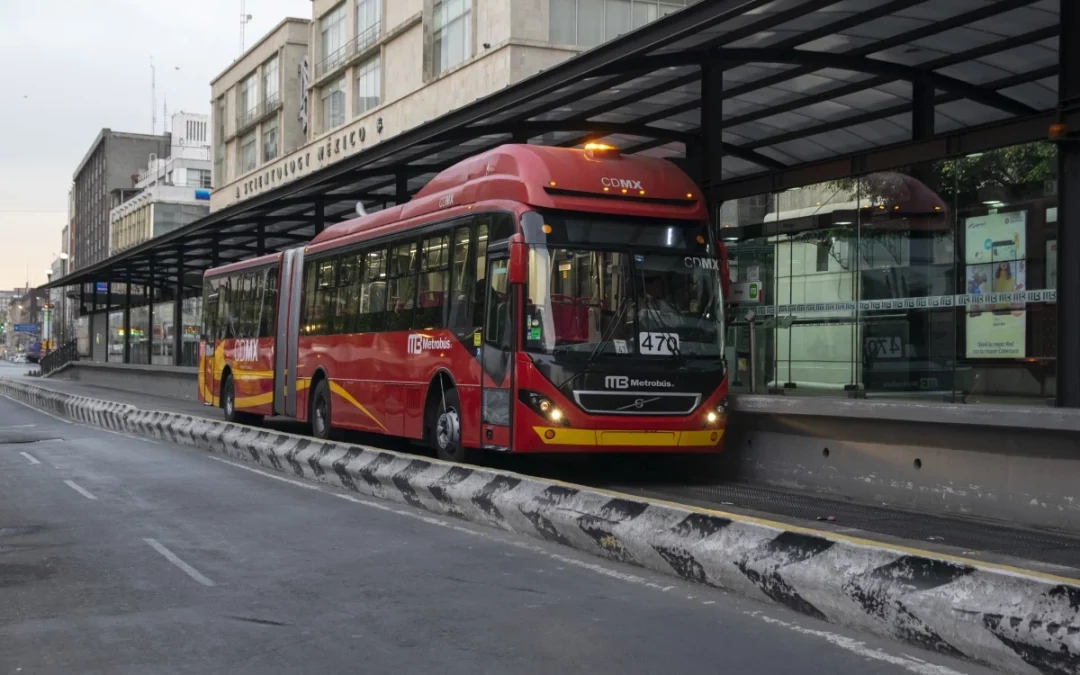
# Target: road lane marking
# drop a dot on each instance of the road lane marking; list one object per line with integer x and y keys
{"x": 30, "y": 458}
{"x": 172, "y": 557}
{"x": 860, "y": 648}
{"x": 18, "y": 426}
{"x": 74, "y": 486}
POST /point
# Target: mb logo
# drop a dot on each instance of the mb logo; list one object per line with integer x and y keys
{"x": 616, "y": 382}
{"x": 416, "y": 344}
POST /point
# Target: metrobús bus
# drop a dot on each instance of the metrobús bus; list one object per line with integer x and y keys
{"x": 528, "y": 299}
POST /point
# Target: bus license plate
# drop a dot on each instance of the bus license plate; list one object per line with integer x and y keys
{"x": 658, "y": 343}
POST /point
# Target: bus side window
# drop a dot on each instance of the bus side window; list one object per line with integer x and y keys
{"x": 434, "y": 282}
{"x": 308, "y": 298}
{"x": 499, "y": 328}
{"x": 480, "y": 285}
{"x": 462, "y": 279}
{"x": 266, "y": 328}
{"x": 402, "y": 289}
{"x": 372, "y": 301}
{"x": 345, "y": 307}
{"x": 322, "y": 308}
{"x": 228, "y": 314}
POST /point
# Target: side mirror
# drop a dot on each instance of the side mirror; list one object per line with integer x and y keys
{"x": 519, "y": 260}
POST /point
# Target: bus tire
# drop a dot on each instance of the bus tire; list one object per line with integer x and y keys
{"x": 444, "y": 429}
{"x": 228, "y": 404}
{"x": 319, "y": 411}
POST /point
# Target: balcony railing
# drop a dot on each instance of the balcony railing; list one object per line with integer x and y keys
{"x": 341, "y": 56}
{"x": 268, "y": 105}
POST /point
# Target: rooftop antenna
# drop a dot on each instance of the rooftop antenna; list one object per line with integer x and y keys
{"x": 153, "y": 98}
{"x": 244, "y": 18}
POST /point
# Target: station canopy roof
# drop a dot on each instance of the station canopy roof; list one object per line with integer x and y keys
{"x": 811, "y": 90}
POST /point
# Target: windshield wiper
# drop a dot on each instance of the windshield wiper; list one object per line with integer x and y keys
{"x": 624, "y": 303}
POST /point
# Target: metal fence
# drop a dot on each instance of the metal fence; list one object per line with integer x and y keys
{"x": 67, "y": 353}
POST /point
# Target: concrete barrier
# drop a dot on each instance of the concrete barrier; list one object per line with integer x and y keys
{"x": 1013, "y": 619}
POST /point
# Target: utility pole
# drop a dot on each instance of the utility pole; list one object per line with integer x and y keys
{"x": 153, "y": 98}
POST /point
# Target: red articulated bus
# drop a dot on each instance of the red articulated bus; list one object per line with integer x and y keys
{"x": 528, "y": 299}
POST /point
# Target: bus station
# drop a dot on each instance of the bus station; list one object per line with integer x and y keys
{"x": 893, "y": 184}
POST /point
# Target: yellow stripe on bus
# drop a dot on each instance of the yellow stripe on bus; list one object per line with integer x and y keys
{"x": 616, "y": 437}
{"x": 340, "y": 391}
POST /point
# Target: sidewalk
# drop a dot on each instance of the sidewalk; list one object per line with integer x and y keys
{"x": 1046, "y": 551}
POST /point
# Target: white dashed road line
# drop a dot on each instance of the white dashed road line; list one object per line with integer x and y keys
{"x": 172, "y": 557}
{"x": 74, "y": 486}
{"x": 30, "y": 458}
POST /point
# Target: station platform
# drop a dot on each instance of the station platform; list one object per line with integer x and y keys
{"x": 699, "y": 481}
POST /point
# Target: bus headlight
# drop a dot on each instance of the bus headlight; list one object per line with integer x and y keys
{"x": 542, "y": 406}
{"x": 711, "y": 417}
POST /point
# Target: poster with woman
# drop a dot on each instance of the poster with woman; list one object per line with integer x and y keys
{"x": 995, "y": 255}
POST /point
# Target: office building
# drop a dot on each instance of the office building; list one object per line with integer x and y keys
{"x": 113, "y": 162}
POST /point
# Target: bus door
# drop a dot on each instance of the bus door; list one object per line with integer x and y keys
{"x": 496, "y": 392}
{"x": 287, "y": 332}
{"x": 211, "y": 326}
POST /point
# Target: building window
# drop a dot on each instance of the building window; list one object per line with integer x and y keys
{"x": 367, "y": 86}
{"x": 270, "y": 139}
{"x": 198, "y": 178}
{"x": 245, "y": 96}
{"x": 333, "y": 105}
{"x": 368, "y": 22}
{"x": 247, "y": 156}
{"x": 332, "y": 49}
{"x": 590, "y": 22}
{"x": 219, "y": 143}
{"x": 271, "y": 86}
{"x": 452, "y": 28}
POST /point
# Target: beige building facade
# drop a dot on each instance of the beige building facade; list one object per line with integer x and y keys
{"x": 377, "y": 68}
{"x": 255, "y": 116}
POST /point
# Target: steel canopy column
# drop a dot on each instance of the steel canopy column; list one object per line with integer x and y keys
{"x": 320, "y": 216}
{"x": 150, "y": 314}
{"x": 127, "y": 317}
{"x": 401, "y": 188}
{"x": 178, "y": 314}
{"x": 1068, "y": 285}
{"x": 712, "y": 126}
{"x": 260, "y": 239}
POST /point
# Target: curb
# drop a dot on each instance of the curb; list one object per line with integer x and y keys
{"x": 1015, "y": 620}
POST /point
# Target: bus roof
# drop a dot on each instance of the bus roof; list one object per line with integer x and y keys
{"x": 243, "y": 265}
{"x": 600, "y": 180}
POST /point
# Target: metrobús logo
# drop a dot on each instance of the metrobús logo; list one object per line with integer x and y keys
{"x": 621, "y": 183}
{"x": 419, "y": 344}
{"x": 624, "y": 382}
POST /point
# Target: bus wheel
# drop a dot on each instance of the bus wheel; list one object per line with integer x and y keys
{"x": 228, "y": 402}
{"x": 445, "y": 429}
{"x": 319, "y": 414}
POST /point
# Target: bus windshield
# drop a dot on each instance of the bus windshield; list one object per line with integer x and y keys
{"x": 647, "y": 303}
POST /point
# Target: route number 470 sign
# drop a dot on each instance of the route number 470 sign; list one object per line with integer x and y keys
{"x": 658, "y": 343}
{"x": 884, "y": 347}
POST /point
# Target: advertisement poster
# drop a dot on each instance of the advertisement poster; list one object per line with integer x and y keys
{"x": 996, "y": 263}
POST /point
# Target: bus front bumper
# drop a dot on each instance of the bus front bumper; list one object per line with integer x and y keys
{"x": 569, "y": 439}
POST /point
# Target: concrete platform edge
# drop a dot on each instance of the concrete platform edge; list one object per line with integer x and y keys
{"x": 1016, "y": 620}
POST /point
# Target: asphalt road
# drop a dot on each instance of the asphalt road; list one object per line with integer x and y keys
{"x": 120, "y": 555}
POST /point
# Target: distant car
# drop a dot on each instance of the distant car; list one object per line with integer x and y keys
{"x": 20, "y": 358}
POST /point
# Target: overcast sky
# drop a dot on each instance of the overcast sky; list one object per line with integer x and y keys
{"x": 72, "y": 67}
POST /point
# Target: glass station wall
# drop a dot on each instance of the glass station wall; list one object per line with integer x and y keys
{"x": 933, "y": 282}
